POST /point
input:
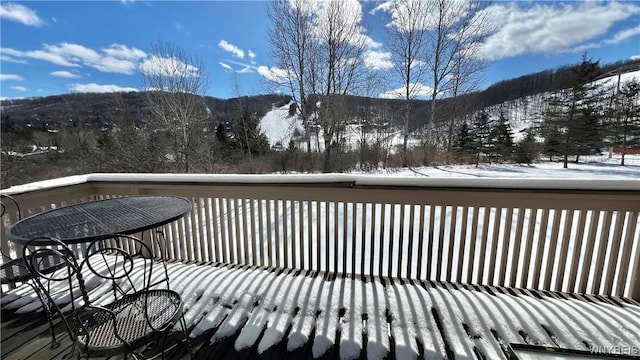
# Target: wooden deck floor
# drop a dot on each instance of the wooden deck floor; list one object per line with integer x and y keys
{"x": 247, "y": 313}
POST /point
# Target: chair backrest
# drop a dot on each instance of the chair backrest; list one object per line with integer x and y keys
{"x": 123, "y": 260}
{"x": 5, "y": 197}
{"x": 58, "y": 275}
{"x": 8, "y": 198}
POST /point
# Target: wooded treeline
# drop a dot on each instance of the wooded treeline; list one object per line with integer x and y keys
{"x": 80, "y": 133}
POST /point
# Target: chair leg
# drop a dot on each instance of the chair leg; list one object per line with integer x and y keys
{"x": 47, "y": 308}
{"x": 179, "y": 344}
{"x": 162, "y": 247}
{"x": 183, "y": 324}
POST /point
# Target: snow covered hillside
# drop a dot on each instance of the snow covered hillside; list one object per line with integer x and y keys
{"x": 279, "y": 126}
{"x": 524, "y": 113}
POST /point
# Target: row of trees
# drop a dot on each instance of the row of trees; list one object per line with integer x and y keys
{"x": 318, "y": 54}
{"x": 587, "y": 115}
{"x": 492, "y": 140}
{"x": 583, "y": 117}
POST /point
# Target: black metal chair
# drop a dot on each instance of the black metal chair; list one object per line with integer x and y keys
{"x": 131, "y": 317}
{"x": 14, "y": 270}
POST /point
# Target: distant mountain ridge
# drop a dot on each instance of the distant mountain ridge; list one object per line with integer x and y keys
{"x": 96, "y": 108}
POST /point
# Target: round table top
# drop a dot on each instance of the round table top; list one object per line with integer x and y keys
{"x": 87, "y": 221}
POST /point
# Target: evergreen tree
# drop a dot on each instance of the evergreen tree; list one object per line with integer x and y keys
{"x": 247, "y": 128}
{"x": 588, "y": 131}
{"x": 550, "y": 130}
{"x": 575, "y": 113}
{"x": 482, "y": 137}
{"x": 502, "y": 138}
{"x": 527, "y": 150}
{"x": 465, "y": 144}
{"x": 626, "y": 117}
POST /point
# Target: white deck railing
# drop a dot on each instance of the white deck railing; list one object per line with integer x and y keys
{"x": 575, "y": 236}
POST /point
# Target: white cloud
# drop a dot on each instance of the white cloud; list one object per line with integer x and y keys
{"x": 251, "y": 54}
{"x": 246, "y": 70}
{"x": 226, "y": 66}
{"x": 19, "y": 88}
{"x": 272, "y": 74}
{"x": 234, "y": 50}
{"x": 95, "y": 88}
{"x": 156, "y": 65}
{"x": 408, "y": 15}
{"x": 551, "y": 27}
{"x": 6, "y": 58}
{"x": 44, "y": 55}
{"x": 64, "y": 74}
{"x": 378, "y": 60}
{"x": 635, "y": 57}
{"x": 5, "y": 77}
{"x": 417, "y": 90}
{"x": 623, "y": 35}
{"x": 21, "y": 14}
{"x": 115, "y": 58}
{"x": 124, "y": 52}
{"x": 114, "y": 65}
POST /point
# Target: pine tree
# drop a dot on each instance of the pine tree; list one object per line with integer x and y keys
{"x": 248, "y": 133}
{"x": 502, "y": 137}
{"x": 465, "y": 144}
{"x": 526, "y": 150}
{"x": 627, "y": 117}
{"x": 482, "y": 136}
{"x": 551, "y": 128}
{"x": 575, "y": 114}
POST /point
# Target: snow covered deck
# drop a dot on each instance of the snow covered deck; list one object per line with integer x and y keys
{"x": 350, "y": 267}
{"x": 242, "y": 312}
{"x": 570, "y": 235}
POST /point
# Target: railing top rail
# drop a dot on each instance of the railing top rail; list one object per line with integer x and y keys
{"x": 336, "y": 180}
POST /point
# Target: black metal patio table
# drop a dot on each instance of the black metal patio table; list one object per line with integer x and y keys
{"x": 84, "y": 222}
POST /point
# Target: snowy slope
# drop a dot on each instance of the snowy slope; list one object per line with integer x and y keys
{"x": 524, "y": 113}
{"x": 278, "y": 126}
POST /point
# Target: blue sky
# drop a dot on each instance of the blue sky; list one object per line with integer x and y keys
{"x": 55, "y": 47}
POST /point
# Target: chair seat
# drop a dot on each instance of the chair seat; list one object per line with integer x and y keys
{"x": 163, "y": 309}
{"x": 16, "y": 270}
{"x": 13, "y": 271}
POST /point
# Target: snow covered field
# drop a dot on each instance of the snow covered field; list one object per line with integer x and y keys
{"x": 593, "y": 167}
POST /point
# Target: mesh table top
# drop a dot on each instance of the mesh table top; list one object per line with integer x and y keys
{"x": 86, "y": 221}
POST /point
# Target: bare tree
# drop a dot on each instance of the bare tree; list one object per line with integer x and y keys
{"x": 468, "y": 64}
{"x": 177, "y": 83}
{"x": 292, "y": 46}
{"x": 318, "y": 48}
{"x": 78, "y": 138}
{"x": 337, "y": 68}
{"x": 454, "y": 25}
{"x": 407, "y": 32}
{"x": 130, "y": 146}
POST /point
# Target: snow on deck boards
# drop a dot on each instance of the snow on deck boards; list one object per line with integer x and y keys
{"x": 239, "y": 312}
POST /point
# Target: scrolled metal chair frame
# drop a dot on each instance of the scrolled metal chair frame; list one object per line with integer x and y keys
{"x": 138, "y": 315}
{"x": 15, "y": 270}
